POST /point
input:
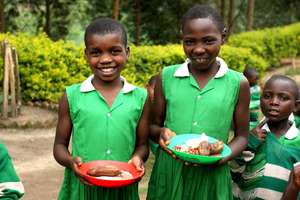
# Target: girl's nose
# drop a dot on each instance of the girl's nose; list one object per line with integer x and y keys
{"x": 199, "y": 49}
{"x": 105, "y": 58}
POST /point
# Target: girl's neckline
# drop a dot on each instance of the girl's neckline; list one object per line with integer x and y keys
{"x": 203, "y": 79}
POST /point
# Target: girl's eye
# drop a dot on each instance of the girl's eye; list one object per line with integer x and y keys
{"x": 116, "y": 51}
{"x": 209, "y": 42}
{"x": 188, "y": 42}
{"x": 94, "y": 53}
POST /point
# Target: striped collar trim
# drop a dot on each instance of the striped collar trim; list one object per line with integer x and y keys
{"x": 292, "y": 133}
{"x": 183, "y": 70}
{"x": 87, "y": 85}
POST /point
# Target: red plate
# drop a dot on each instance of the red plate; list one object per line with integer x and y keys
{"x": 110, "y": 183}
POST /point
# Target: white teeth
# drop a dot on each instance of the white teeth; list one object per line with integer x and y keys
{"x": 107, "y": 70}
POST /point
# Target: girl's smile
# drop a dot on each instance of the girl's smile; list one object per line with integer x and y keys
{"x": 107, "y": 71}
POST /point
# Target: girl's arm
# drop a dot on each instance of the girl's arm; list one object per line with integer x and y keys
{"x": 62, "y": 139}
{"x": 63, "y": 134}
{"x": 241, "y": 121}
{"x": 158, "y": 132}
{"x": 141, "y": 152}
{"x": 158, "y": 111}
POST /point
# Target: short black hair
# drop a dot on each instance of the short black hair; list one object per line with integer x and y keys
{"x": 105, "y": 25}
{"x": 249, "y": 70}
{"x": 203, "y": 11}
{"x": 286, "y": 79}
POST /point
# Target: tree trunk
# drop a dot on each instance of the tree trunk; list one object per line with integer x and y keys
{"x": 48, "y": 18}
{"x": 250, "y": 11}
{"x": 137, "y": 22}
{"x": 230, "y": 16}
{"x": 2, "y": 17}
{"x": 222, "y": 8}
{"x": 116, "y": 9}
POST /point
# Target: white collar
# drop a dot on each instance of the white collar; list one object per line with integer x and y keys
{"x": 87, "y": 85}
{"x": 183, "y": 70}
{"x": 292, "y": 133}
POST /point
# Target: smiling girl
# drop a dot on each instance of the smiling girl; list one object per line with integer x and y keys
{"x": 106, "y": 116}
{"x": 200, "y": 95}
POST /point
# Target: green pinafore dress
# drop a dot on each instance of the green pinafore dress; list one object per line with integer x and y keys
{"x": 101, "y": 132}
{"x": 190, "y": 109}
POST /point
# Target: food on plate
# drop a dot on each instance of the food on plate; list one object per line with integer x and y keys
{"x": 122, "y": 176}
{"x": 217, "y": 147}
{"x": 200, "y": 146}
{"x": 204, "y": 148}
{"x": 104, "y": 170}
{"x": 109, "y": 172}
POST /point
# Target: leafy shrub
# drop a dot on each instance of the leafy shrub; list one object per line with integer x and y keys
{"x": 47, "y": 67}
{"x": 272, "y": 44}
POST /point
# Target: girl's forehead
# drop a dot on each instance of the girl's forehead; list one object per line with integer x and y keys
{"x": 105, "y": 39}
{"x": 105, "y": 36}
{"x": 200, "y": 24}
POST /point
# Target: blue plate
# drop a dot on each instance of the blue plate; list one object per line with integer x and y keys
{"x": 182, "y": 138}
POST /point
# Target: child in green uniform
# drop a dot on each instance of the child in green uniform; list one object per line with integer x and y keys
{"x": 274, "y": 145}
{"x": 11, "y": 188}
{"x": 297, "y": 115}
{"x": 252, "y": 76}
{"x": 106, "y": 116}
{"x": 200, "y": 95}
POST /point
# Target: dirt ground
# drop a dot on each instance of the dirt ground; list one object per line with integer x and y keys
{"x": 31, "y": 151}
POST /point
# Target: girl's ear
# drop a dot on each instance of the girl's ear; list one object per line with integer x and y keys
{"x": 224, "y": 35}
{"x": 85, "y": 53}
{"x": 127, "y": 52}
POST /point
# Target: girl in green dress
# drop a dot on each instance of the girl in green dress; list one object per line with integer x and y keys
{"x": 11, "y": 188}
{"x": 200, "y": 95}
{"x": 106, "y": 116}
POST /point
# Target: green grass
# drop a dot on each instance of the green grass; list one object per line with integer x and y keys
{"x": 293, "y": 71}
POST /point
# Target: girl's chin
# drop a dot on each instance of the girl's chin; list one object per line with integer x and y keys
{"x": 106, "y": 78}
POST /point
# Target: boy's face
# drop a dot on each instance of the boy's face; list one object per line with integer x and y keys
{"x": 278, "y": 100}
{"x": 252, "y": 79}
{"x": 201, "y": 42}
{"x": 106, "y": 55}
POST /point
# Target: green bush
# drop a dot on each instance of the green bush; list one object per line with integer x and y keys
{"x": 238, "y": 58}
{"x": 47, "y": 67}
{"x": 272, "y": 44}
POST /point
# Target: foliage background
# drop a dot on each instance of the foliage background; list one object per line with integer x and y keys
{"x": 48, "y": 35}
{"x": 160, "y": 20}
{"x": 47, "y": 67}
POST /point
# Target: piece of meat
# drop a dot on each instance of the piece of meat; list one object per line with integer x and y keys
{"x": 106, "y": 170}
{"x": 217, "y": 147}
{"x": 204, "y": 148}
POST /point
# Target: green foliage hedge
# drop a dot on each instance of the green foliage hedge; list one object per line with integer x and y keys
{"x": 272, "y": 44}
{"x": 47, "y": 67}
